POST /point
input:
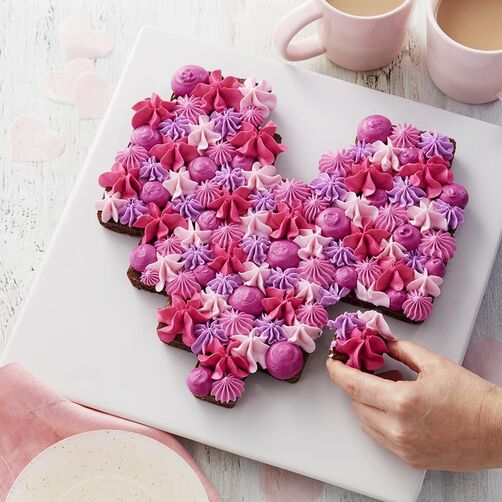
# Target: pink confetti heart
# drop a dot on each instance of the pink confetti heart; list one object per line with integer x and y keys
{"x": 78, "y": 39}
{"x": 484, "y": 357}
{"x": 60, "y": 85}
{"x": 92, "y": 95}
{"x": 31, "y": 141}
{"x": 278, "y": 485}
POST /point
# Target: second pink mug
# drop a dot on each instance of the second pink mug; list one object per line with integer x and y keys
{"x": 355, "y": 42}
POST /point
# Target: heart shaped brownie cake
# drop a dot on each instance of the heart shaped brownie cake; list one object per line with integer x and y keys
{"x": 251, "y": 261}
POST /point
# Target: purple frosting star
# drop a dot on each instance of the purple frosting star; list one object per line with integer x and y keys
{"x": 256, "y": 247}
{"x": 188, "y": 206}
{"x": 263, "y": 201}
{"x": 454, "y": 215}
{"x": 332, "y": 188}
{"x": 434, "y": 143}
{"x": 404, "y": 193}
{"x": 415, "y": 260}
{"x": 344, "y": 324}
{"x": 231, "y": 178}
{"x": 205, "y": 334}
{"x": 176, "y": 128}
{"x": 272, "y": 330}
{"x": 224, "y": 284}
{"x": 227, "y": 122}
{"x": 339, "y": 255}
{"x": 151, "y": 170}
{"x": 132, "y": 211}
{"x": 361, "y": 151}
{"x": 195, "y": 256}
{"x": 332, "y": 295}
{"x": 286, "y": 279}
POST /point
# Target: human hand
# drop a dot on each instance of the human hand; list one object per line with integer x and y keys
{"x": 448, "y": 419}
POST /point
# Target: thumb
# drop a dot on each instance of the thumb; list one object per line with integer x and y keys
{"x": 415, "y": 356}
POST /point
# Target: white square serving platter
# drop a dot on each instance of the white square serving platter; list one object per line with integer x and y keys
{"x": 86, "y": 332}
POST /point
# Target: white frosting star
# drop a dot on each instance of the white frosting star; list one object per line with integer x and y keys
{"x": 252, "y": 347}
{"x": 357, "y": 209}
{"x": 307, "y": 290}
{"x": 167, "y": 266}
{"x": 255, "y": 275}
{"x": 426, "y": 284}
{"x": 378, "y": 298}
{"x": 392, "y": 249}
{"x": 302, "y": 335}
{"x": 256, "y": 223}
{"x": 311, "y": 243}
{"x": 213, "y": 303}
{"x": 192, "y": 235}
{"x": 386, "y": 155}
{"x": 425, "y": 218}
{"x": 257, "y": 94}
{"x": 376, "y": 322}
{"x": 203, "y": 134}
{"x": 109, "y": 206}
{"x": 260, "y": 177}
{"x": 179, "y": 183}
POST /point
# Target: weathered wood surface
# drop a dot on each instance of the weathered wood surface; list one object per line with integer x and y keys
{"x": 32, "y": 196}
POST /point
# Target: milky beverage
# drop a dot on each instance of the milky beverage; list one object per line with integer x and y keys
{"x": 473, "y": 23}
{"x": 366, "y": 7}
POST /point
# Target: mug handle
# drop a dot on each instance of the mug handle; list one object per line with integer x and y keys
{"x": 290, "y": 25}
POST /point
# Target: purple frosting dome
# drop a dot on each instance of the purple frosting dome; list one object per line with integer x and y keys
{"x": 284, "y": 360}
{"x": 247, "y": 299}
{"x": 141, "y": 256}
{"x": 185, "y": 80}
{"x": 199, "y": 381}
{"x": 374, "y": 128}
{"x": 146, "y": 136}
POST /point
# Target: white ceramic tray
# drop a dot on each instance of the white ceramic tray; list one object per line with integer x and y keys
{"x": 85, "y": 331}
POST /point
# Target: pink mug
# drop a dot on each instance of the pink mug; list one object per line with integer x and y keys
{"x": 355, "y": 42}
{"x": 465, "y": 74}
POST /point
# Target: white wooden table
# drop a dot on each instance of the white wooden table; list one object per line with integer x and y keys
{"x": 33, "y": 195}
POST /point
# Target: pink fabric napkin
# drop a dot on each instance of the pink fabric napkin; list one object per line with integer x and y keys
{"x": 33, "y": 417}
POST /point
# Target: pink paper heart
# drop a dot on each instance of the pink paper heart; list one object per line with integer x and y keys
{"x": 484, "y": 357}
{"x": 31, "y": 141}
{"x": 92, "y": 95}
{"x": 78, "y": 39}
{"x": 60, "y": 85}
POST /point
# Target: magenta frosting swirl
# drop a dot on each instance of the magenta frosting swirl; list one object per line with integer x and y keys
{"x": 404, "y": 136}
{"x": 417, "y": 307}
{"x": 190, "y": 107}
{"x": 312, "y": 314}
{"x": 335, "y": 163}
{"x": 149, "y": 277}
{"x": 254, "y": 115}
{"x": 236, "y": 322}
{"x": 207, "y": 192}
{"x": 222, "y": 152}
{"x": 434, "y": 143}
{"x": 227, "y": 234}
{"x": 332, "y": 188}
{"x": 183, "y": 285}
{"x": 313, "y": 206}
{"x": 170, "y": 245}
{"x": 317, "y": 270}
{"x": 368, "y": 271}
{"x": 292, "y": 192}
{"x": 438, "y": 244}
{"x": 256, "y": 248}
{"x": 224, "y": 284}
{"x": 228, "y": 389}
{"x": 390, "y": 217}
{"x": 132, "y": 156}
